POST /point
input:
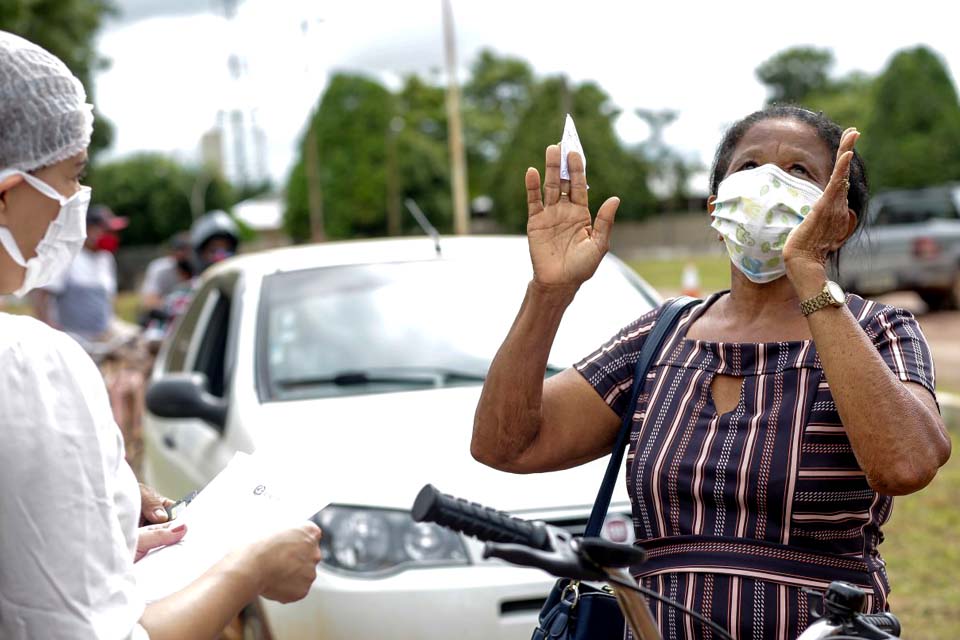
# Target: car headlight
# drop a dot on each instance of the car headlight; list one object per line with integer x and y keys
{"x": 367, "y": 540}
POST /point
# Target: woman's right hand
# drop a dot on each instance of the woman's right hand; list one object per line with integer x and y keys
{"x": 287, "y": 562}
{"x": 566, "y": 245}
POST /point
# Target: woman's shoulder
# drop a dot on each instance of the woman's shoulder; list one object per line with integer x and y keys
{"x": 872, "y": 313}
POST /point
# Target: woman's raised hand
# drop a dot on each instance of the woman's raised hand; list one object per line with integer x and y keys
{"x": 566, "y": 245}
{"x": 831, "y": 221}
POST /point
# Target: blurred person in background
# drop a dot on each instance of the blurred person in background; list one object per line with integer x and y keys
{"x": 70, "y": 505}
{"x": 166, "y": 273}
{"x": 214, "y": 237}
{"x": 80, "y": 300}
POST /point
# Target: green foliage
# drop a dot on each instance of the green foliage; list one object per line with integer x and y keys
{"x": 296, "y": 213}
{"x": 67, "y": 29}
{"x": 494, "y": 99}
{"x": 795, "y": 73}
{"x": 611, "y": 169}
{"x": 154, "y": 191}
{"x": 423, "y": 170}
{"x": 377, "y": 148}
{"x": 909, "y": 116}
{"x": 848, "y": 102}
{"x": 914, "y": 130}
{"x": 350, "y": 129}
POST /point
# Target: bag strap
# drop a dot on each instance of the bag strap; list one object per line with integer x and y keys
{"x": 651, "y": 346}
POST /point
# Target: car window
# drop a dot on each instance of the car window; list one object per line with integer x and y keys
{"x": 211, "y": 356}
{"x": 371, "y": 328}
{"x": 916, "y": 210}
{"x": 202, "y": 341}
{"x": 179, "y": 348}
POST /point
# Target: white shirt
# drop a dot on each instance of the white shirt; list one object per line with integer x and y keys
{"x": 69, "y": 503}
{"x": 161, "y": 277}
{"x": 84, "y": 293}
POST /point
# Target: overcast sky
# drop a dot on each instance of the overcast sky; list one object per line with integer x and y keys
{"x": 169, "y": 78}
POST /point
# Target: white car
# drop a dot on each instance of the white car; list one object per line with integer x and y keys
{"x": 371, "y": 354}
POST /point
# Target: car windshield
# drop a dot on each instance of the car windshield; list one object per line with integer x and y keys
{"x": 373, "y": 328}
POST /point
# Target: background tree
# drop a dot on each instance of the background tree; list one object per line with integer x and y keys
{"x": 154, "y": 191}
{"x": 494, "y": 99}
{"x": 377, "y": 148}
{"x": 914, "y": 129}
{"x": 795, "y": 73}
{"x": 421, "y": 163}
{"x": 67, "y": 29}
{"x": 611, "y": 168}
{"x": 350, "y": 128}
{"x": 848, "y": 101}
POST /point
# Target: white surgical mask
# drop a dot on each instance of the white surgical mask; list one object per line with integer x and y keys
{"x": 755, "y": 211}
{"x": 60, "y": 244}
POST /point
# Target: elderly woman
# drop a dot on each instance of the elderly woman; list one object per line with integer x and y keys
{"x": 778, "y": 419}
{"x": 70, "y": 505}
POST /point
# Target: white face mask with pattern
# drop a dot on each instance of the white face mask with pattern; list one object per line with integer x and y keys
{"x": 59, "y": 245}
{"x": 755, "y": 211}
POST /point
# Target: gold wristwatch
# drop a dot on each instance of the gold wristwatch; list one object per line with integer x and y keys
{"x": 831, "y": 296}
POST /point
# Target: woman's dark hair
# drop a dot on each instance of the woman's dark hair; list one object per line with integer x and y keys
{"x": 827, "y": 130}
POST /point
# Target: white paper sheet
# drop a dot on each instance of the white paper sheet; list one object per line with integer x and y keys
{"x": 570, "y": 142}
{"x": 254, "y": 496}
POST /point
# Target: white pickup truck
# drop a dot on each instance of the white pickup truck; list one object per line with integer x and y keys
{"x": 912, "y": 243}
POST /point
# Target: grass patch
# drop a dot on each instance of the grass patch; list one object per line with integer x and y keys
{"x": 666, "y": 275}
{"x": 923, "y": 556}
{"x": 126, "y": 306}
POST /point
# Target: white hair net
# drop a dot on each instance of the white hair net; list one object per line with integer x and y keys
{"x": 44, "y": 115}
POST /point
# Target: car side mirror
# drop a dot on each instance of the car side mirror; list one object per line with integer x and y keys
{"x": 185, "y": 395}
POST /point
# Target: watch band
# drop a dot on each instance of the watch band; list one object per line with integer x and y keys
{"x": 824, "y": 299}
{"x": 816, "y": 303}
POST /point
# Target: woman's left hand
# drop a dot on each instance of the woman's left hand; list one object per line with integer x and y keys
{"x": 152, "y": 506}
{"x": 829, "y": 223}
{"x": 158, "y": 535}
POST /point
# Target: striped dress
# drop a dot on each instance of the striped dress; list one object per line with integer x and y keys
{"x": 740, "y": 512}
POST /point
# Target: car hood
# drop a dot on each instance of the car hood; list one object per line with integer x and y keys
{"x": 379, "y": 450}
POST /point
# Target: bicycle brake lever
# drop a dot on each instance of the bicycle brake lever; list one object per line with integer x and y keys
{"x": 563, "y": 560}
{"x": 549, "y": 561}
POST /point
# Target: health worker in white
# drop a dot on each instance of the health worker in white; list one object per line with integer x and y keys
{"x": 69, "y": 503}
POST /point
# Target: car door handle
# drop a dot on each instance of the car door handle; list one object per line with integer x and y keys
{"x": 169, "y": 442}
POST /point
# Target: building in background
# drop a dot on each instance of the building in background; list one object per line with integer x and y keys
{"x": 236, "y": 145}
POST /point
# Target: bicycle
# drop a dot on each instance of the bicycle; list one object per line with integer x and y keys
{"x": 561, "y": 554}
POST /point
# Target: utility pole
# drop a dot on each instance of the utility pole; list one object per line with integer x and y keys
{"x": 394, "y": 221}
{"x": 311, "y": 158}
{"x": 458, "y": 160}
{"x": 312, "y": 174}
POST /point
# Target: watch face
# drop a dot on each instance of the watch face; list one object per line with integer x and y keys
{"x": 836, "y": 293}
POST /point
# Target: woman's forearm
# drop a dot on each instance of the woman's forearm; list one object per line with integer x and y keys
{"x": 202, "y": 610}
{"x": 509, "y": 413}
{"x": 897, "y": 437}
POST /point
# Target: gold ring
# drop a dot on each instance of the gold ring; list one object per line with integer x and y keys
{"x": 845, "y": 184}
{"x": 563, "y": 194}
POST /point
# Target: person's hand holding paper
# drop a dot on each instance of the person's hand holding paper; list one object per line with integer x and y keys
{"x": 256, "y": 503}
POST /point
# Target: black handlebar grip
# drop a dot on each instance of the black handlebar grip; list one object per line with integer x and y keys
{"x": 476, "y": 520}
{"x": 886, "y": 622}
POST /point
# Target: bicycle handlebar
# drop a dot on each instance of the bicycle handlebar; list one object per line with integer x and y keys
{"x": 478, "y": 521}
{"x": 535, "y": 544}
{"x": 885, "y": 622}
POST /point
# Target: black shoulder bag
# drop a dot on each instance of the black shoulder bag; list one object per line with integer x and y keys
{"x": 575, "y": 611}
